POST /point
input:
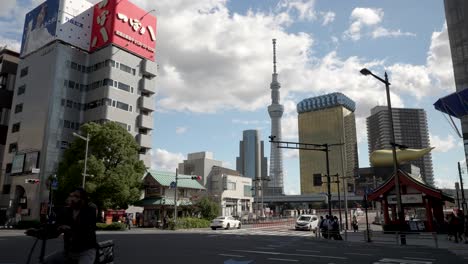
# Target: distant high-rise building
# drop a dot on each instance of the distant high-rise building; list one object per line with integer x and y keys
{"x": 8, "y": 66}
{"x": 456, "y": 13}
{"x": 251, "y": 162}
{"x": 275, "y": 186}
{"x": 327, "y": 119}
{"x": 200, "y": 164}
{"x": 410, "y": 127}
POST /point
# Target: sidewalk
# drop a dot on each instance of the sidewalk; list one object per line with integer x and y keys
{"x": 420, "y": 239}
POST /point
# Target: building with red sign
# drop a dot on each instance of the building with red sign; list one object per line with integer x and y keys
{"x": 80, "y": 63}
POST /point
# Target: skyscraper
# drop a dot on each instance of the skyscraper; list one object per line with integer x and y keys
{"x": 327, "y": 119}
{"x": 80, "y": 63}
{"x": 410, "y": 129}
{"x": 200, "y": 164}
{"x": 276, "y": 112}
{"x": 251, "y": 162}
{"x": 457, "y": 24}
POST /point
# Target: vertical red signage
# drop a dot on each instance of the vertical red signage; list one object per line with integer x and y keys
{"x": 123, "y": 24}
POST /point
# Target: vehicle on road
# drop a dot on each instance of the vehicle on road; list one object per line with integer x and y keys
{"x": 307, "y": 222}
{"x": 225, "y": 222}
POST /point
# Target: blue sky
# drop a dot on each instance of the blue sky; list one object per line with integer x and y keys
{"x": 215, "y": 69}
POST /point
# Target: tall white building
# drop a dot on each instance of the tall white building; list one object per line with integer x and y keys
{"x": 275, "y": 186}
{"x": 80, "y": 63}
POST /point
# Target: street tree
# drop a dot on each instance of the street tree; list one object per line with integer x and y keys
{"x": 208, "y": 208}
{"x": 114, "y": 171}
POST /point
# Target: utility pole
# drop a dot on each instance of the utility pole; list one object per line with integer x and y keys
{"x": 339, "y": 197}
{"x": 462, "y": 189}
{"x": 175, "y": 196}
{"x": 457, "y": 189}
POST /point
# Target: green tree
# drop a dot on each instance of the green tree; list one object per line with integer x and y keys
{"x": 112, "y": 161}
{"x": 208, "y": 208}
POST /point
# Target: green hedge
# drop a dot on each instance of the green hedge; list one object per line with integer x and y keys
{"x": 188, "y": 222}
{"x": 116, "y": 226}
{"x": 25, "y": 224}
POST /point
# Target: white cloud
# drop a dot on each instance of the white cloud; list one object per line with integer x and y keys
{"x": 162, "y": 159}
{"x": 442, "y": 144}
{"x": 303, "y": 9}
{"x": 439, "y": 60}
{"x": 328, "y": 17}
{"x": 181, "y": 130}
{"x": 249, "y": 122}
{"x": 370, "y": 18}
{"x": 361, "y": 17}
{"x": 443, "y": 183}
{"x": 7, "y": 7}
{"x": 291, "y": 154}
{"x": 380, "y": 32}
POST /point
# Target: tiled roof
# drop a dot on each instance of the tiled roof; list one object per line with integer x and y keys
{"x": 184, "y": 181}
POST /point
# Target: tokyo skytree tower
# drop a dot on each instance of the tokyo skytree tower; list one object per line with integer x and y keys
{"x": 276, "y": 112}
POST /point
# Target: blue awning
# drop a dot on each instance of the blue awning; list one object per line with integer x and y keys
{"x": 455, "y": 104}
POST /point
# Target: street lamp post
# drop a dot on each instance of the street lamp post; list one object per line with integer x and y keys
{"x": 401, "y": 215}
{"x": 87, "y": 138}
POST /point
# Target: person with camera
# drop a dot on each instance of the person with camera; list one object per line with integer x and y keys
{"x": 78, "y": 225}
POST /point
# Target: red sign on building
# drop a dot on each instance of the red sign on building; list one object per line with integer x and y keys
{"x": 125, "y": 25}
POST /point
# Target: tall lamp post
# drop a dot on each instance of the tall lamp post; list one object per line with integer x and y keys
{"x": 87, "y": 138}
{"x": 400, "y": 213}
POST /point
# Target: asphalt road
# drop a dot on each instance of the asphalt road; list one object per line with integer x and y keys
{"x": 149, "y": 246}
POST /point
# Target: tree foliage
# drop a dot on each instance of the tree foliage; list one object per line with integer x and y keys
{"x": 208, "y": 208}
{"x": 112, "y": 161}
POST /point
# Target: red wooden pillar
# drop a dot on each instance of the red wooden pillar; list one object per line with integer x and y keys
{"x": 429, "y": 216}
{"x": 438, "y": 212}
{"x": 385, "y": 210}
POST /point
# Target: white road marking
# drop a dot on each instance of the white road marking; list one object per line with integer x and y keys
{"x": 288, "y": 254}
{"x": 358, "y": 254}
{"x": 428, "y": 259}
{"x": 401, "y": 261}
{"x": 289, "y": 260}
{"x": 306, "y": 250}
{"x": 231, "y": 255}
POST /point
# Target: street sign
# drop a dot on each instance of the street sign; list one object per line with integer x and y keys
{"x": 35, "y": 170}
{"x": 172, "y": 185}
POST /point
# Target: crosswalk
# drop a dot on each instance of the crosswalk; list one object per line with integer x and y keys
{"x": 258, "y": 231}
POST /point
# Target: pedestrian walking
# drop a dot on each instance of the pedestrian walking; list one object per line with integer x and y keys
{"x": 354, "y": 223}
{"x": 325, "y": 227}
{"x": 453, "y": 226}
{"x": 128, "y": 221}
{"x": 336, "y": 229}
{"x": 165, "y": 221}
{"x": 461, "y": 225}
{"x": 320, "y": 225}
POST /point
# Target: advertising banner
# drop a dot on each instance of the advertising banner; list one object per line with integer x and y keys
{"x": 125, "y": 25}
{"x": 74, "y": 23}
{"x": 39, "y": 26}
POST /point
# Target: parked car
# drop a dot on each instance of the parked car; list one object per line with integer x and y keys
{"x": 225, "y": 222}
{"x": 307, "y": 222}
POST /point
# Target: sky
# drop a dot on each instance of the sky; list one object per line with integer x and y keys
{"x": 215, "y": 65}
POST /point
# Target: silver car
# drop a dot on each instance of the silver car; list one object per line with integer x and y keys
{"x": 307, "y": 222}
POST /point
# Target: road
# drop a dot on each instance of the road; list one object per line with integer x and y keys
{"x": 263, "y": 245}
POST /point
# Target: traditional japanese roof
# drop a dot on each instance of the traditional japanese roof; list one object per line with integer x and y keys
{"x": 165, "y": 179}
{"x": 408, "y": 180}
{"x": 161, "y": 201}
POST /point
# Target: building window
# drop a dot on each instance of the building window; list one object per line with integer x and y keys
{"x": 15, "y": 128}
{"x": 69, "y": 103}
{"x": 317, "y": 179}
{"x": 231, "y": 186}
{"x": 13, "y": 147}
{"x": 123, "y": 86}
{"x": 122, "y": 106}
{"x": 21, "y": 89}
{"x": 24, "y": 71}
{"x": 18, "y": 108}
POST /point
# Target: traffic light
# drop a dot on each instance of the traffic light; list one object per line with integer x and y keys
{"x": 33, "y": 181}
{"x": 198, "y": 178}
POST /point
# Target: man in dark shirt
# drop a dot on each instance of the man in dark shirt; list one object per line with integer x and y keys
{"x": 78, "y": 224}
